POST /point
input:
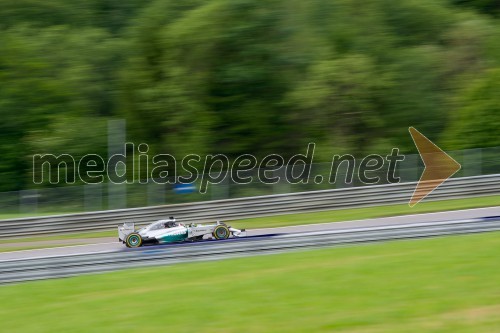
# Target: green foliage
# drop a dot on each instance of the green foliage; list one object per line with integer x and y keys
{"x": 233, "y": 77}
{"x": 48, "y": 78}
{"x": 111, "y": 15}
{"x": 340, "y": 99}
{"x": 491, "y": 7}
{"x": 477, "y": 118}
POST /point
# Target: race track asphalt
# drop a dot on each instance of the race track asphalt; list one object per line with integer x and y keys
{"x": 108, "y": 247}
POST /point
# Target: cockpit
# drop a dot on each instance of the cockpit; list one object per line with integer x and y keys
{"x": 171, "y": 224}
{"x": 163, "y": 224}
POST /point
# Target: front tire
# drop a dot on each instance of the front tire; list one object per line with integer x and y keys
{"x": 221, "y": 232}
{"x": 133, "y": 240}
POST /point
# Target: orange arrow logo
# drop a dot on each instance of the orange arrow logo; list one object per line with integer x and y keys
{"x": 439, "y": 166}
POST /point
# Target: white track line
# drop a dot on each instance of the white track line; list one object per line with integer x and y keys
{"x": 379, "y": 218}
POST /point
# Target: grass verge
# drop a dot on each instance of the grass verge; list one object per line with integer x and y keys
{"x": 76, "y": 236}
{"x": 447, "y": 284}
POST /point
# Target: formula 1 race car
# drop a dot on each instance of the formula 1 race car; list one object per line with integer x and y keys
{"x": 171, "y": 231}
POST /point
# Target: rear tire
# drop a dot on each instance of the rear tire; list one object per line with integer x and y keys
{"x": 133, "y": 240}
{"x": 221, "y": 232}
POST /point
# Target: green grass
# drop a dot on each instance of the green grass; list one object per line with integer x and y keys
{"x": 306, "y": 218}
{"x": 80, "y": 235}
{"x": 5, "y": 216}
{"x": 436, "y": 285}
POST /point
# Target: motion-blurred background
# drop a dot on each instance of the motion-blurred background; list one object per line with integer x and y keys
{"x": 239, "y": 76}
{"x": 260, "y": 77}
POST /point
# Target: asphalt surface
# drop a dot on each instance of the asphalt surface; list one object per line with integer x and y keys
{"x": 115, "y": 246}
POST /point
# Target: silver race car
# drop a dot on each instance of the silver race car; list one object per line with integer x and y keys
{"x": 171, "y": 231}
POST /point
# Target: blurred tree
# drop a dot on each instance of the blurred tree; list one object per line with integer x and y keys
{"x": 112, "y": 15}
{"x": 339, "y": 100}
{"x": 220, "y": 70}
{"x": 477, "y": 119}
{"x": 491, "y": 7}
{"x": 233, "y": 76}
{"x": 46, "y": 76}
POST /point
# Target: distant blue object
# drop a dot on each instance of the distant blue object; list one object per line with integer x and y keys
{"x": 184, "y": 188}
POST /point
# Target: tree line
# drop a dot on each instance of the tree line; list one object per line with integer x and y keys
{"x": 241, "y": 76}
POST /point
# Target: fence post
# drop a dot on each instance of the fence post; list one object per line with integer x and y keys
{"x": 221, "y": 190}
{"x": 282, "y": 186}
{"x": 156, "y": 193}
{"x": 117, "y": 193}
{"x": 28, "y": 201}
{"x": 409, "y": 169}
{"x": 92, "y": 197}
{"x": 472, "y": 162}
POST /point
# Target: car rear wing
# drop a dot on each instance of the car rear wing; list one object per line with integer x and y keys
{"x": 124, "y": 230}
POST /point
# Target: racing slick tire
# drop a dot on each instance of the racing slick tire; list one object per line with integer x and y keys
{"x": 133, "y": 240}
{"x": 221, "y": 232}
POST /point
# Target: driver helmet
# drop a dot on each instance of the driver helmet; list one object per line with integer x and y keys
{"x": 171, "y": 223}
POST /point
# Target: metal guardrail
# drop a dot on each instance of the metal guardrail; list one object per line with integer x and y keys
{"x": 231, "y": 209}
{"x": 63, "y": 266}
